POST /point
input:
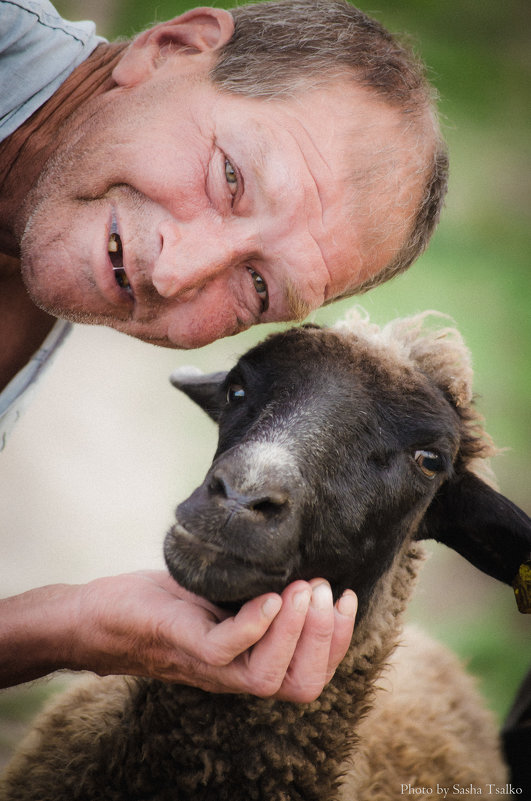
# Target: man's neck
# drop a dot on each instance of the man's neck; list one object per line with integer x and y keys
{"x": 24, "y": 153}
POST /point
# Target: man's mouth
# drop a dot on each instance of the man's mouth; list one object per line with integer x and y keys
{"x": 114, "y": 247}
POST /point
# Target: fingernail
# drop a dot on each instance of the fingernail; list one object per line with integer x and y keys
{"x": 301, "y": 600}
{"x": 322, "y": 596}
{"x": 347, "y": 604}
{"x": 271, "y": 607}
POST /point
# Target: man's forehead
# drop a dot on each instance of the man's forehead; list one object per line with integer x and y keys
{"x": 304, "y": 169}
{"x": 258, "y": 147}
{"x": 285, "y": 148}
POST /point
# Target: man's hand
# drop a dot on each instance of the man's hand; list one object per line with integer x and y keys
{"x": 146, "y": 624}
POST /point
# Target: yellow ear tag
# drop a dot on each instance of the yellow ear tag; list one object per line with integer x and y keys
{"x": 522, "y": 588}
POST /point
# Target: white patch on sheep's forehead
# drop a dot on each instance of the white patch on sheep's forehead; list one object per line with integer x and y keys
{"x": 261, "y": 457}
{"x": 439, "y": 352}
{"x": 295, "y": 429}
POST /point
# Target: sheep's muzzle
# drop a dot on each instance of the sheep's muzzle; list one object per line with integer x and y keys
{"x": 237, "y": 535}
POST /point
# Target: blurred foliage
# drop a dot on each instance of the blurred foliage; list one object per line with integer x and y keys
{"x": 476, "y": 269}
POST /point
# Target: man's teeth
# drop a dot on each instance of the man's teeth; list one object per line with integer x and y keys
{"x": 121, "y": 278}
{"x": 114, "y": 247}
{"x": 114, "y": 244}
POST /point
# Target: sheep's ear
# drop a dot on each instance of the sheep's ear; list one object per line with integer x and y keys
{"x": 202, "y": 389}
{"x": 484, "y": 527}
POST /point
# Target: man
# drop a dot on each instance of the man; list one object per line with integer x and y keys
{"x": 221, "y": 170}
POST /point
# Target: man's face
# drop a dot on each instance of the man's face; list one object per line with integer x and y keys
{"x": 180, "y": 214}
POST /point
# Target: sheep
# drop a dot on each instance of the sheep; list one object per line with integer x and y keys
{"x": 340, "y": 449}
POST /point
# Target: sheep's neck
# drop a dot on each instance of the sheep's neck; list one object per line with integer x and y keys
{"x": 241, "y": 746}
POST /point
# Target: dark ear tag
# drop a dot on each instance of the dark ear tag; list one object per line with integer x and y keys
{"x": 486, "y": 528}
{"x": 203, "y": 389}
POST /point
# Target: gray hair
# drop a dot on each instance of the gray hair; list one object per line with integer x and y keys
{"x": 283, "y": 46}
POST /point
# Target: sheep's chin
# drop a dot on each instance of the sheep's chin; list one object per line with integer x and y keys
{"x": 222, "y": 578}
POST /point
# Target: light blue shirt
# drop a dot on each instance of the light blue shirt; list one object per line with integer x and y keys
{"x": 18, "y": 393}
{"x": 38, "y": 51}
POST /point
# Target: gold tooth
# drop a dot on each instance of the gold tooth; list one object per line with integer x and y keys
{"x": 113, "y": 245}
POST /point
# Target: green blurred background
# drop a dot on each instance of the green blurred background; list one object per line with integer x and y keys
{"x": 476, "y": 270}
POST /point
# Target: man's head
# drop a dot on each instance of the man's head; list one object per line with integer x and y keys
{"x": 237, "y": 172}
{"x": 271, "y": 54}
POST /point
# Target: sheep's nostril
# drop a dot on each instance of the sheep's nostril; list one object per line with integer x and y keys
{"x": 218, "y": 486}
{"x": 266, "y": 502}
{"x": 269, "y": 506}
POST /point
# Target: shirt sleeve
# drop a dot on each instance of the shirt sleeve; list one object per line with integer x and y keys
{"x": 16, "y": 396}
{"x": 38, "y": 51}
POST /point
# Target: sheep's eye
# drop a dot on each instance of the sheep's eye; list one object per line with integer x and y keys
{"x": 429, "y": 462}
{"x": 235, "y": 393}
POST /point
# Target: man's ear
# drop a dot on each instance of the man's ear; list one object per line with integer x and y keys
{"x": 201, "y": 30}
{"x": 480, "y": 524}
{"x": 202, "y": 389}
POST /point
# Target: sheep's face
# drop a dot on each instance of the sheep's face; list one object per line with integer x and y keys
{"x": 327, "y": 460}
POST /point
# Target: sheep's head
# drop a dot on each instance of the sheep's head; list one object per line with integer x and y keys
{"x": 335, "y": 446}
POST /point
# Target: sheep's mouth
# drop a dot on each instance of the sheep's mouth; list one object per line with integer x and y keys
{"x": 206, "y": 569}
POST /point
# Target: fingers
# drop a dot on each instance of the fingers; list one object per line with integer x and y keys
{"x": 252, "y": 651}
{"x": 235, "y": 635}
{"x": 301, "y": 650}
{"x": 308, "y": 669}
{"x": 323, "y": 643}
{"x": 218, "y": 654}
{"x": 268, "y": 662}
{"x": 344, "y": 617}
{"x": 284, "y": 646}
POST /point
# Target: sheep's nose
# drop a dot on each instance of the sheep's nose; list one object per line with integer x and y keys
{"x": 266, "y": 501}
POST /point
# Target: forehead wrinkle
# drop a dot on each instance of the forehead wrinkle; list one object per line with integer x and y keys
{"x": 259, "y": 159}
{"x": 312, "y": 169}
{"x": 313, "y": 181}
{"x": 320, "y": 163}
{"x": 298, "y": 307}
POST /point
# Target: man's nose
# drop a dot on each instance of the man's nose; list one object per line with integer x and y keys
{"x": 191, "y": 255}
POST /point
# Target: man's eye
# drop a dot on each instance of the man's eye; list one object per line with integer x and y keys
{"x": 231, "y": 176}
{"x": 260, "y": 287}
